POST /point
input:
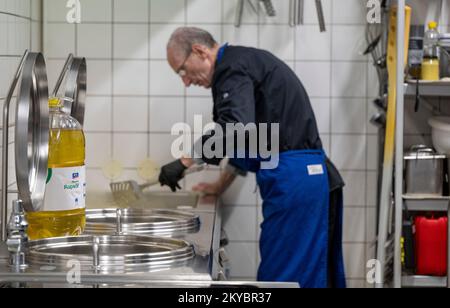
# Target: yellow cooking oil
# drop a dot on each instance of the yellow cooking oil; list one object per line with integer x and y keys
{"x": 431, "y": 69}
{"x": 64, "y": 205}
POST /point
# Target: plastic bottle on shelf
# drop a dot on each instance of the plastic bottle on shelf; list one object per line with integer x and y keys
{"x": 416, "y": 48}
{"x": 430, "y": 63}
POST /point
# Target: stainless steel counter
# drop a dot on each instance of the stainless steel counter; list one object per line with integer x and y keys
{"x": 203, "y": 268}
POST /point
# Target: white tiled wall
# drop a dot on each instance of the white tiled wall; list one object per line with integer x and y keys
{"x": 134, "y": 97}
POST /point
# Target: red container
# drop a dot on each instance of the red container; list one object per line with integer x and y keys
{"x": 431, "y": 246}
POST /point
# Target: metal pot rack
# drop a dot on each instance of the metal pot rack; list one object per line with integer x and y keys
{"x": 31, "y": 135}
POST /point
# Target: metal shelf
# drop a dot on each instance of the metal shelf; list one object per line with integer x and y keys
{"x": 438, "y": 88}
{"x": 426, "y": 203}
{"x": 424, "y": 282}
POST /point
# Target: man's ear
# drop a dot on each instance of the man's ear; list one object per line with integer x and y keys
{"x": 200, "y": 50}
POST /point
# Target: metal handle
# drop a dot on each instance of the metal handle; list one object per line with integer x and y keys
{"x": 76, "y": 86}
{"x": 292, "y": 13}
{"x": 300, "y": 12}
{"x": 62, "y": 75}
{"x": 74, "y": 71}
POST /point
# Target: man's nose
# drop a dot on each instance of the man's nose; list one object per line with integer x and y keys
{"x": 187, "y": 82}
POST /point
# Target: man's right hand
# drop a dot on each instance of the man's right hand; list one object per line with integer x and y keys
{"x": 208, "y": 189}
{"x": 171, "y": 174}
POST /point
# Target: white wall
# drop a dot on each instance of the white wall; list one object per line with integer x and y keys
{"x": 20, "y": 29}
{"x": 134, "y": 98}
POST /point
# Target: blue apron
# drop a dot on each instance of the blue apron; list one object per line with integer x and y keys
{"x": 294, "y": 236}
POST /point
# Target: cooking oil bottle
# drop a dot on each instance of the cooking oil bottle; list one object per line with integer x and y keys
{"x": 64, "y": 203}
{"x": 430, "y": 64}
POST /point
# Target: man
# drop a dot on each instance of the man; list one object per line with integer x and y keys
{"x": 301, "y": 237}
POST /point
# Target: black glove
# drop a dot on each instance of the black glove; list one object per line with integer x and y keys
{"x": 171, "y": 174}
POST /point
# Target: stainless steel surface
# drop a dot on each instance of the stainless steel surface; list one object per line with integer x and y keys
{"x": 424, "y": 171}
{"x": 17, "y": 237}
{"x": 5, "y": 143}
{"x": 111, "y": 254}
{"x": 320, "y": 16}
{"x": 436, "y": 89}
{"x": 424, "y": 282}
{"x": 426, "y": 203}
{"x": 117, "y": 282}
{"x": 32, "y": 133}
{"x": 140, "y": 222}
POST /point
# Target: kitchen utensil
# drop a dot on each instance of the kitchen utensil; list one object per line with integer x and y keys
{"x": 321, "y": 16}
{"x": 268, "y": 6}
{"x": 300, "y": 12}
{"x": 127, "y": 192}
{"x": 296, "y": 8}
{"x": 239, "y": 12}
{"x": 424, "y": 171}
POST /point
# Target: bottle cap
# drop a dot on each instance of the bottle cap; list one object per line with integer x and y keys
{"x": 54, "y": 102}
{"x": 432, "y": 25}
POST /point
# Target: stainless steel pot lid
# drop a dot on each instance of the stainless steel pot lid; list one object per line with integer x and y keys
{"x": 140, "y": 222}
{"x": 110, "y": 254}
{"x": 32, "y": 133}
{"x": 422, "y": 152}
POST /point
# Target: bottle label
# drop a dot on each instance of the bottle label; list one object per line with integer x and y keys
{"x": 66, "y": 189}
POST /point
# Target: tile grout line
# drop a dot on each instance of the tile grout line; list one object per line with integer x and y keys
{"x": 149, "y": 79}
{"x": 185, "y": 23}
{"x": 112, "y": 80}
{"x": 258, "y": 209}
{"x": 31, "y": 27}
{"x": 330, "y": 100}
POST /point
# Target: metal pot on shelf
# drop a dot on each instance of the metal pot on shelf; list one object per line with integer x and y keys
{"x": 424, "y": 171}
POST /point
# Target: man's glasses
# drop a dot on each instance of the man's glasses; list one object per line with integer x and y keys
{"x": 182, "y": 70}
